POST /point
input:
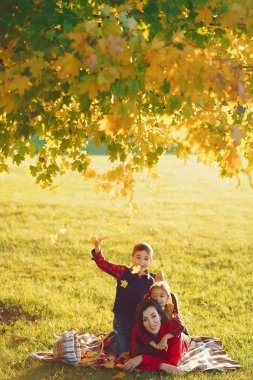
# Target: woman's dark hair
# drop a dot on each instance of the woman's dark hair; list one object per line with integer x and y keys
{"x": 144, "y": 305}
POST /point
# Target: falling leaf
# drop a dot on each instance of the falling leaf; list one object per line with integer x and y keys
{"x": 124, "y": 283}
{"x": 120, "y": 375}
{"x": 104, "y": 219}
{"x": 53, "y": 239}
{"x": 62, "y": 230}
{"x": 136, "y": 269}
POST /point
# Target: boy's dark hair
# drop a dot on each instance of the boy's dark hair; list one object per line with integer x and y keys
{"x": 143, "y": 247}
{"x": 144, "y": 305}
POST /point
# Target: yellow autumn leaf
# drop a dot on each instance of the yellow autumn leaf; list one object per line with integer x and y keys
{"x": 233, "y": 161}
{"x": 97, "y": 240}
{"x": 125, "y": 355}
{"x": 20, "y": 83}
{"x": 8, "y": 103}
{"x": 204, "y": 15}
{"x": 120, "y": 375}
{"x": 7, "y": 51}
{"x": 90, "y": 173}
{"x": 67, "y": 66}
{"x": 24, "y": 349}
{"x": 90, "y": 86}
{"x": 154, "y": 77}
{"x": 109, "y": 365}
{"x": 90, "y": 354}
{"x": 79, "y": 40}
{"x": 93, "y": 240}
{"x": 123, "y": 283}
{"x": 136, "y": 269}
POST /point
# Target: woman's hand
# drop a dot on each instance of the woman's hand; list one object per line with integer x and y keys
{"x": 132, "y": 363}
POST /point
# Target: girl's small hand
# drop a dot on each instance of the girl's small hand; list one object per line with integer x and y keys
{"x": 163, "y": 345}
{"x": 132, "y": 363}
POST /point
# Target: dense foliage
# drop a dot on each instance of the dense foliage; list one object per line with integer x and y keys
{"x": 140, "y": 77}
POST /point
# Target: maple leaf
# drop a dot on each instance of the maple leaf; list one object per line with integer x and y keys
{"x": 136, "y": 269}
{"x": 97, "y": 240}
{"x": 204, "y": 15}
{"x": 62, "y": 230}
{"x": 67, "y": 66}
{"x": 90, "y": 354}
{"x": 90, "y": 173}
{"x": 93, "y": 239}
{"x": 123, "y": 283}
{"x": 90, "y": 86}
{"x": 109, "y": 365}
{"x": 37, "y": 64}
{"x": 120, "y": 375}
{"x": 20, "y": 83}
{"x": 8, "y": 103}
{"x": 125, "y": 355}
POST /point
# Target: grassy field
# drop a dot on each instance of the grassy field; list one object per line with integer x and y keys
{"x": 201, "y": 229}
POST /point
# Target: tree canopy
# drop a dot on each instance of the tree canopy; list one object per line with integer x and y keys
{"x": 140, "y": 77}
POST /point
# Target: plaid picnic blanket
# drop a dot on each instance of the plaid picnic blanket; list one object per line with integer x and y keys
{"x": 205, "y": 353}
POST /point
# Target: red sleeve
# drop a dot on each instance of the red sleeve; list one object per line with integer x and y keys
{"x": 134, "y": 337}
{"x": 114, "y": 270}
{"x": 175, "y": 326}
{"x": 150, "y": 363}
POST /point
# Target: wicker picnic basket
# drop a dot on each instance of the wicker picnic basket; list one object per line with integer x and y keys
{"x": 78, "y": 349}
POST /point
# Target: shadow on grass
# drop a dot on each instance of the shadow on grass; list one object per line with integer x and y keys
{"x": 54, "y": 371}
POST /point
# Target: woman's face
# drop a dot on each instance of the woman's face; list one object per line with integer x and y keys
{"x": 160, "y": 296}
{"x": 151, "y": 320}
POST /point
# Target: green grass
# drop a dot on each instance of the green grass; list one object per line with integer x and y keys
{"x": 201, "y": 229}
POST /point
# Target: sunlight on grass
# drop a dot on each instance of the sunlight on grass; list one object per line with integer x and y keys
{"x": 201, "y": 229}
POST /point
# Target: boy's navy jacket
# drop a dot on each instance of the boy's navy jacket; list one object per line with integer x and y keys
{"x": 131, "y": 287}
{"x": 127, "y": 298}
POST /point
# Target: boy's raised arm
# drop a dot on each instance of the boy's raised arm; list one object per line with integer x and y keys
{"x": 114, "y": 270}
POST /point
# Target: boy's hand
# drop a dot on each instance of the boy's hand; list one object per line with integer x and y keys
{"x": 99, "y": 239}
{"x": 96, "y": 240}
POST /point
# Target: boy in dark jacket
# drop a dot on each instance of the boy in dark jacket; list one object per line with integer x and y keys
{"x": 132, "y": 284}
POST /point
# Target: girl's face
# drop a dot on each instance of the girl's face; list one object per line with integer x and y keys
{"x": 160, "y": 296}
{"x": 151, "y": 320}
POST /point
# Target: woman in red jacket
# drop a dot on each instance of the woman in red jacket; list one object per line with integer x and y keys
{"x": 152, "y": 319}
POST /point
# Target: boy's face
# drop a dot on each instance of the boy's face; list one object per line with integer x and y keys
{"x": 142, "y": 259}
